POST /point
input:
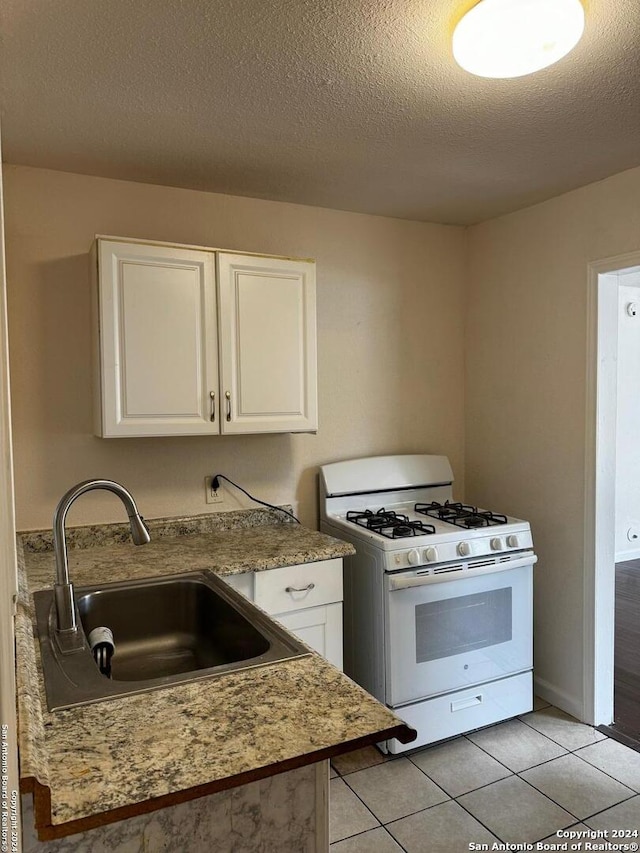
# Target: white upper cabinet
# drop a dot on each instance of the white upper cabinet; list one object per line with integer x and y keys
{"x": 157, "y": 341}
{"x": 267, "y": 329}
{"x": 158, "y": 316}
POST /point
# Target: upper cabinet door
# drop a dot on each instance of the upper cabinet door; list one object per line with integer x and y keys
{"x": 267, "y": 328}
{"x": 158, "y": 341}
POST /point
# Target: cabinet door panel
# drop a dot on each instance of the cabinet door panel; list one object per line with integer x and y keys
{"x": 160, "y": 334}
{"x": 269, "y": 348}
{"x": 268, "y": 344}
{"x": 318, "y": 627}
{"x": 242, "y": 583}
{"x": 158, "y": 340}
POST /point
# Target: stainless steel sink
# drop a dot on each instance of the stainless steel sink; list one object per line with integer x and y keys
{"x": 167, "y": 630}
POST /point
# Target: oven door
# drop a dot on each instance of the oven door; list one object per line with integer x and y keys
{"x": 445, "y": 633}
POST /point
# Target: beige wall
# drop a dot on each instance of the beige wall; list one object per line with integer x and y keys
{"x": 526, "y": 340}
{"x": 390, "y": 297}
{"x": 390, "y": 294}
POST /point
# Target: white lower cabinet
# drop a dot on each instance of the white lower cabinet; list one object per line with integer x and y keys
{"x": 318, "y": 627}
{"x": 305, "y": 598}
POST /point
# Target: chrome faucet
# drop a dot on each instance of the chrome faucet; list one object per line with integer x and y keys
{"x": 68, "y": 635}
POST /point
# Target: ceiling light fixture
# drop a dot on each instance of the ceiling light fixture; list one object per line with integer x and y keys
{"x": 511, "y": 38}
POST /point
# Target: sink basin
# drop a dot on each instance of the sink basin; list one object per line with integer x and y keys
{"x": 167, "y": 630}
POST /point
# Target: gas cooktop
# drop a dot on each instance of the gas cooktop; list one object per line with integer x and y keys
{"x": 396, "y": 525}
{"x": 404, "y": 507}
{"x": 393, "y": 525}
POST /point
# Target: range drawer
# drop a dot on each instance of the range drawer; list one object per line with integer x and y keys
{"x": 295, "y": 587}
{"x": 455, "y": 713}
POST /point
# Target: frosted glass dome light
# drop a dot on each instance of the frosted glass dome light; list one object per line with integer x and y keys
{"x": 511, "y": 38}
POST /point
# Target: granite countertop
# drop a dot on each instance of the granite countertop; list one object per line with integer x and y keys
{"x": 109, "y": 760}
{"x": 225, "y": 552}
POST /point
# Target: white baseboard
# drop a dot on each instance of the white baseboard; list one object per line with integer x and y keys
{"x": 630, "y": 554}
{"x": 558, "y": 697}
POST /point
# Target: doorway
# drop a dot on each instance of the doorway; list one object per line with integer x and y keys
{"x": 626, "y": 681}
{"x": 610, "y": 536}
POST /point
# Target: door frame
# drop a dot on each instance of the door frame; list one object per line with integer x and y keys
{"x": 8, "y": 559}
{"x": 600, "y": 484}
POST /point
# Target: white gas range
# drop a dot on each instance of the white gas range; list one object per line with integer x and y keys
{"x": 438, "y": 597}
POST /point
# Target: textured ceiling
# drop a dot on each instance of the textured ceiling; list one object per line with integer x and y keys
{"x": 350, "y": 104}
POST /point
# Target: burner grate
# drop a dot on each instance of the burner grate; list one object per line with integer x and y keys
{"x": 390, "y": 524}
{"x": 462, "y": 515}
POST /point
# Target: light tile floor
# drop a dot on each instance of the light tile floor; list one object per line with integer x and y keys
{"x": 517, "y": 782}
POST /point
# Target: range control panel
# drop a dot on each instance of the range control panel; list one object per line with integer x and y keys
{"x": 464, "y": 548}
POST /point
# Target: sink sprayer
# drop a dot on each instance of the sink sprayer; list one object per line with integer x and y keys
{"x": 102, "y": 648}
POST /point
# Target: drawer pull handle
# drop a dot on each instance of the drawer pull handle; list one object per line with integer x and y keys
{"x": 300, "y": 589}
{"x": 212, "y": 395}
{"x": 469, "y": 702}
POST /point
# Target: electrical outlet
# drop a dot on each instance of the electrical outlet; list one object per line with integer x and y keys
{"x": 212, "y": 496}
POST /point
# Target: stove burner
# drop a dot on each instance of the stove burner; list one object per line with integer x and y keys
{"x": 390, "y": 524}
{"x": 461, "y": 515}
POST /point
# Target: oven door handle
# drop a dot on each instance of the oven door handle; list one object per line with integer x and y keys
{"x": 403, "y": 581}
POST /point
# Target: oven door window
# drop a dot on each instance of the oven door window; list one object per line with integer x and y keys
{"x": 454, "y": 634}
{"x": 452, "y": 626}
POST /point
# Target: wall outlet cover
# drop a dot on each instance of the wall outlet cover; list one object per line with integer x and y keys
{"x": 212, "y": 496}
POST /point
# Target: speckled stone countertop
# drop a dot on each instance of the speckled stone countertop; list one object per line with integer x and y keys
{"x": 114, "y": 755}
{"x": 178, "y": 546}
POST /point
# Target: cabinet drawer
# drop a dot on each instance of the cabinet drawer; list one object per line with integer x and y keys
{"x": 294, "y": 587}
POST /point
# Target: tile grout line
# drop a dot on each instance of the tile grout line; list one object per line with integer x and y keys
{"x": 427, "y": 808}
{"x": 490, "y": 831}
{"x": 366, "y": 807}
{"x": 606, "y": 809}
{"x": 557, "y": 742}
{"x": 471, "y": 790}
{"x": 364, "y": 832}
{"x": 535, "y": 841}
{"x": 565, "y": 809}
{"x": 386, "y": 760}
{"x": 595, "y": 766}
{"x": 515, "y": 772}
{"x": 410, "y": 813}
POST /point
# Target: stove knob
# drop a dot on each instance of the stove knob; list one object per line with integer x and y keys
{"x": 496, "y": 544}
{"x": 464, "y": 549}
{"x": 431, "y": 554}
{"x": 512, "y": 541}
{"x": 413, "y": 557}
